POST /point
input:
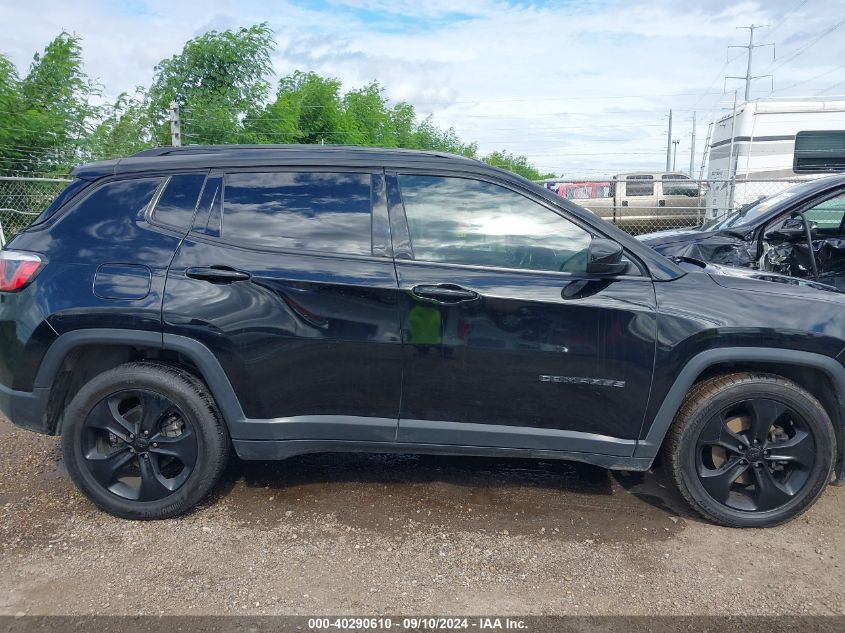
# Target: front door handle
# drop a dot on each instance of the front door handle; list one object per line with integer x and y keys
{"x": 217, "y": 274}
{"x": 445, "y": 293}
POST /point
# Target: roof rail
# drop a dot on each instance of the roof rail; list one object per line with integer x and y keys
{"x": 169, "y": 149}
{"x": 203, "y": 149}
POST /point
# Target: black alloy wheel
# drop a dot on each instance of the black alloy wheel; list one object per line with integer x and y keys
{"x": 139, "y": 445}
{"x": 145, "y": 440}
{"x": 750, "y": 449}
{"x": 755, "y": 455}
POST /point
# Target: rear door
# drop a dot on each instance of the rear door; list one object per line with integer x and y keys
{"x": 509, "y": 343}
{"x": 287, "y": 278}
{"x": 638, "y": 199}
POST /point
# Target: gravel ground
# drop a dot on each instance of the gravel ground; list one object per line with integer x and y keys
{"x": 359, "y": 534}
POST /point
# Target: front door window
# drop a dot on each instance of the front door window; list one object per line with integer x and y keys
{"x": 463, "y": 221}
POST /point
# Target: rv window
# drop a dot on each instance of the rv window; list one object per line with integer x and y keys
{"x": 819, "y": 150}
{"x": 639, "y": 186}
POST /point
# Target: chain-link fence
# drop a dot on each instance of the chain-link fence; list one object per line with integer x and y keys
{"x": 641, "y": 203}
{"x": 636, "y": 203}
{"x": 22, "y": 199}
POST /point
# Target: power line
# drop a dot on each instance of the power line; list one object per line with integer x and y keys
{"x": 800, "y": 51}
{"x": 821, "y": 92}
{"x": 713, "y": 83}
{"x": 806, "y": 81}
{"x": 786, "y": 15}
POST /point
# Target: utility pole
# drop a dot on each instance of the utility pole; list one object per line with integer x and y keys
{"x": 731, "y": 165}
{"x": 675, "y": 155}
{"x": 692, "y": 148}
{"x": 669, "y": 143}
{"x": 175, "y": 125}
{"x": 750, "y": 47}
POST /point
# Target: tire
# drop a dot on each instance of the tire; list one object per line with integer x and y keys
{"x": 713, "y": 438}
{"x": 144, "y": 441}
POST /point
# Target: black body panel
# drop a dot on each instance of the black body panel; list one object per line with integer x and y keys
{"x": 306, "y": 350}
{"x": 305, "y": 335}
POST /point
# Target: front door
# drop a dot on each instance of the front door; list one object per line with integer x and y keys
{"x": 284, "y": 280}
{"x": 507, "y": 341}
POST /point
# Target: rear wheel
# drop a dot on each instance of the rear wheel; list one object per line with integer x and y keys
{"x": 144, "y": 441}
{"x": 750, "y": 450}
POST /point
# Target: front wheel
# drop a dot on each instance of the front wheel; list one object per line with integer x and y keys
{"x": 750, "y": 450}
{"x": 144, "y": 441}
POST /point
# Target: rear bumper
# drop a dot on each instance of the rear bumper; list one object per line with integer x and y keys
{"x": 26, "y": 409}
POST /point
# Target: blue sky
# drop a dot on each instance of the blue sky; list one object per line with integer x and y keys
{"x": 581, "y": 88}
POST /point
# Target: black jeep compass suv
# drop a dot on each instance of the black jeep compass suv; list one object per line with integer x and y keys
{"x": 174, "y": 306}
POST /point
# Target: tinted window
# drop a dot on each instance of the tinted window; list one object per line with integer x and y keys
{"x": 67, "y": 193}
{"x": 818, "y": 151}
{"x": 464, "y": 221}
{"x": 118, "y": 198}
{"x": 679, "y": 186}
{"x": 314, "y": 211}
{"x": 639, "y": 186}
{"x": 176, "y": 205}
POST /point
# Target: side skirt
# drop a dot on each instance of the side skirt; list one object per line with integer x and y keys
{"x": 282, "y": 449}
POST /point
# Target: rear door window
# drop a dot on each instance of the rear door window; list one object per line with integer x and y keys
{"x": 176, "y": 205}
{"x": 315, "y": 211}
{"x": 677, "y": 185}
{"x": 639, "y": 186}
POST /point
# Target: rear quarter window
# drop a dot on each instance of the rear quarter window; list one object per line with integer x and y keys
{"x": 316, "y": 211}
{"x": 115, "y": 200}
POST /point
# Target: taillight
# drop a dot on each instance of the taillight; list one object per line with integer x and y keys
{"x": 17, "y": 269}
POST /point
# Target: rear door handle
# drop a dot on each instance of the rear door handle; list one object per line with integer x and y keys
{"x": 445, "y": 293}
{"x": 217, "y": 274}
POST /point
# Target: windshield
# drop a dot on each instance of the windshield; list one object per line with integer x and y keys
{"x": 749, "y": 213}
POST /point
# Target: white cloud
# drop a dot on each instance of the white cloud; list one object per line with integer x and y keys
{"x": 578, "y": 87}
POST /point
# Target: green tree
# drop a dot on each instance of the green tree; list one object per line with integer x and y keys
{"x": 9, "y": 108}
{"x": 220, "y": 82}
{"x": 218, "y": 79}
{"x": 516, "y": 164}
{"x": 124, "y": 128}
{"x": 307, "y": 109}
{"x": 404, "y": 121}
{"x": 429, "y": 136}
{"x": 48, "y": 113}
{"x": 369, "y": 120}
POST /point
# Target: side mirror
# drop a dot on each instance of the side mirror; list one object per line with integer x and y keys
{"x": 604, "y": 257}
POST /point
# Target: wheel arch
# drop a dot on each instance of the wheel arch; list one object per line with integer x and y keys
{"x": 76, "y": 357}
{"x": 823, "y": 376}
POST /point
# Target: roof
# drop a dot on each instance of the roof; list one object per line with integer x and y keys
{"x": 654, "y": 174}
{"x": 209, "y": 156}
{"x": 785, "y": 106}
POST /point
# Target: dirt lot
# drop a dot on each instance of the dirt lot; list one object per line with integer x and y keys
{"x": 388, "y": 535}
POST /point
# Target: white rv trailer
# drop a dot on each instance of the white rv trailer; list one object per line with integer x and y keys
{"x": 769, "y": 144}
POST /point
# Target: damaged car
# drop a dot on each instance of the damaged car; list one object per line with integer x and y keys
{"x": 798, "y": 232}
